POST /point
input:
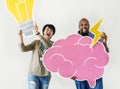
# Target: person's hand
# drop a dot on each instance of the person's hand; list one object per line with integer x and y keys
{"x": 73, "y": 78}
{"x": 36, "y": 29}
{"x": 104, "y": 37}
{"x": 20, "y": 33}
{"x": 104, "y": 40}
{"x": 20, "y": 36}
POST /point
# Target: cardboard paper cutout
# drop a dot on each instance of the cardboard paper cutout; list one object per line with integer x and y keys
{"x": 74, "y": 57}
{"x": 21, "y": 10}
{"x": 97, "y": 33}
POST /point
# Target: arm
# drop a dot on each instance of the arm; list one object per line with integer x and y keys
{"x": 42, "y": 39}
{"x": 104, "y": 40}
{"x": 24, "y": 48}
{"x": 73, "y": 78}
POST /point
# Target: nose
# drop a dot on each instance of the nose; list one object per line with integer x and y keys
{"x": 84, "y": 26}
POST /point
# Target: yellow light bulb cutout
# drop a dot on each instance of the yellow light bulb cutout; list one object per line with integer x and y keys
{"x": 22, "y": 12}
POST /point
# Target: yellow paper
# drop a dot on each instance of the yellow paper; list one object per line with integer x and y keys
{"x": 97, "y": 33}
{"x": 20, "y": 9}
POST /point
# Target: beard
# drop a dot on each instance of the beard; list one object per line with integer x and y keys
{"x": 83, "y": 33}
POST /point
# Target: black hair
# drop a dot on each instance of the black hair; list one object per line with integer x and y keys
{"x": 52, "y": 27}
{"x": 78, "y": 32}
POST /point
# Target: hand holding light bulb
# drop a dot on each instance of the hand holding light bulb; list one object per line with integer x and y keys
{"x": 36, "y": 29}
{"x": 22, "y": 12}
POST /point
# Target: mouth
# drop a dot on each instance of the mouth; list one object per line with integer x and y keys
{"x": 48, "y": 34}
{"x": 84, "y": 30}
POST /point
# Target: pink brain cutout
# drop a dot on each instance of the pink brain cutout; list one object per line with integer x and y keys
{"x": 74, "y": 57}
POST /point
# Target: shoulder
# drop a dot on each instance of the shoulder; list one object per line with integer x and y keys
{"x": 90, "y": 35}
{"x": 52, "y": 42}
{"x": 36, "y": 42}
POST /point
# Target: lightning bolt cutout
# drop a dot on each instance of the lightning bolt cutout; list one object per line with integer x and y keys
{"x": 97, "y": 33}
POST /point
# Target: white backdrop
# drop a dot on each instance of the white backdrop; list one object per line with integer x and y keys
{"x": 65, "y": 15}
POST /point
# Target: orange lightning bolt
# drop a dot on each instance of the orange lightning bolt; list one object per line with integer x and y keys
{"x": 97, "y": 33}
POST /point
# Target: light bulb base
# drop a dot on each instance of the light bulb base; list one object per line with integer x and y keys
{"x": 27, "y": 27}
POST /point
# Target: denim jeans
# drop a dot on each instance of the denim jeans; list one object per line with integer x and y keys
{"x": 85, "y": 85}
{"x": 38, "y": 82}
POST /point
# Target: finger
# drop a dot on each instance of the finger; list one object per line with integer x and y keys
{"x": 35, "y": 23}
{"x": 104, "y": 33}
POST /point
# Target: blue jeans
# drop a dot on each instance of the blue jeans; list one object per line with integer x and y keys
{"x": 38, "y": 82}
{"x": 85, "y": 85}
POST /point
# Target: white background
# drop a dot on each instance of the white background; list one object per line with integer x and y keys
{"x": 65, "y": 15}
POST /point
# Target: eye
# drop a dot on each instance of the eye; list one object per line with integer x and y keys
{"x": 81, "y": 24}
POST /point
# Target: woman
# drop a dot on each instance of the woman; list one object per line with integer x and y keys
{"x": 38, "y": 76}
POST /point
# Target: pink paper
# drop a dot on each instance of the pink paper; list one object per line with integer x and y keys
{"x": 74, "y": 57}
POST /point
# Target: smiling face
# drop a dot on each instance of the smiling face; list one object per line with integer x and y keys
{"x": 48, "y": 33}
{"x": 84, "y": 27}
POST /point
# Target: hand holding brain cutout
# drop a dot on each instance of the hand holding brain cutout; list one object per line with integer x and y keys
{"x": 74, "y": 57}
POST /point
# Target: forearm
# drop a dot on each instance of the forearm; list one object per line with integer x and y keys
{"x": 43, "y": 40}
{"x": 22, "y": 47}
{"x": 21, "y": 39}
{"x": 25, "y": 48}
{"x": 106, "y": 47}
{"x": 39, "y": 35}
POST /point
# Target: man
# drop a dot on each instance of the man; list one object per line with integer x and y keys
{"x": 84, "y": 31}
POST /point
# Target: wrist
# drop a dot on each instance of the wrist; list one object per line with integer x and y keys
{"x": 105, "y": 43}
{"x": 37, "y": 33}
{"x": 20, "y": 36}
